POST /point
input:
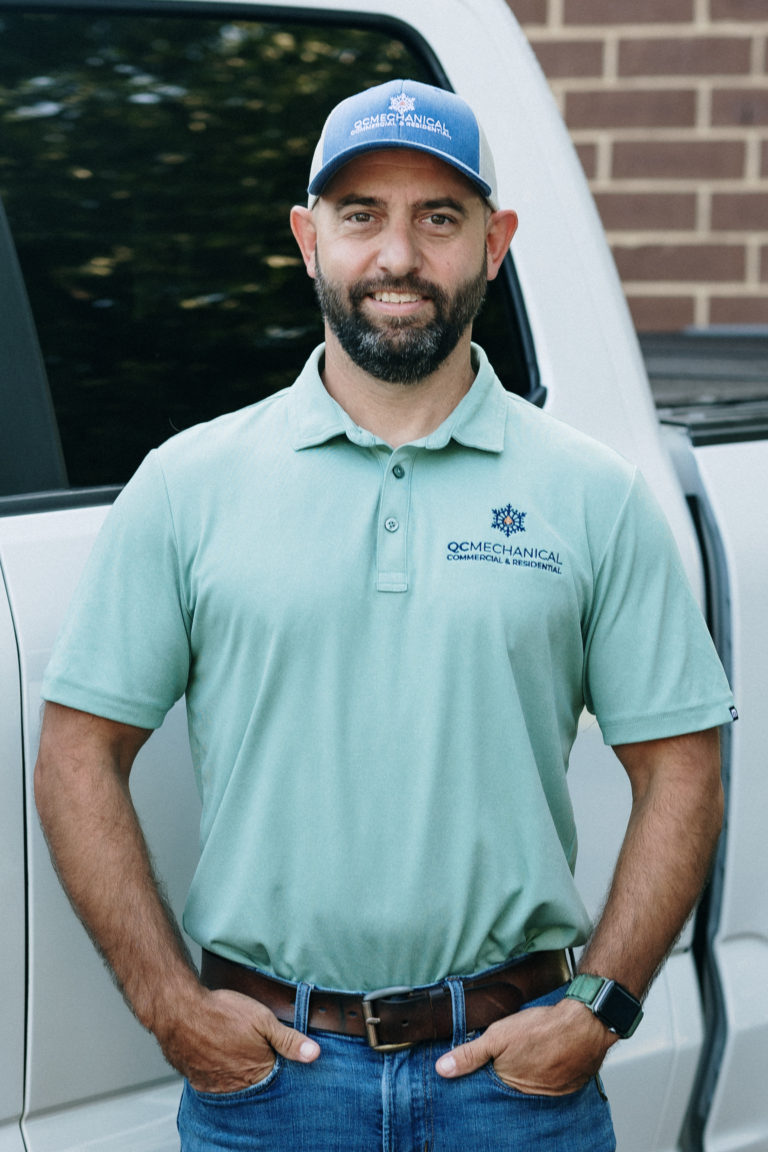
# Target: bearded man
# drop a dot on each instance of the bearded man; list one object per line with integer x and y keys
{"x": 380, "y": 727}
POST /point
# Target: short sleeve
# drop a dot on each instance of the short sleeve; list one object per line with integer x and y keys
{"x": 651, "y": 669}
{"x": 123, "y": 652}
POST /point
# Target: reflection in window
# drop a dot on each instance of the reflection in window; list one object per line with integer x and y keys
{"x": 148, "y": 165}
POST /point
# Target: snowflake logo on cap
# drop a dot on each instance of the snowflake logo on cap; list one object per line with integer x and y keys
{"x": 402, "y": 104}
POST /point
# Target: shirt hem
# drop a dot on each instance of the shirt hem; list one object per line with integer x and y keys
{"x": 658, "y": 727}
{"x": 106, "y": 708}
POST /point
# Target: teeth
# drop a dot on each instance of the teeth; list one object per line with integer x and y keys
{"x": 396, "y": 297}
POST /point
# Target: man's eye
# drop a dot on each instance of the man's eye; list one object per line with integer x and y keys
{"x": 360, "y": 217}
{"x": 439, "y": 219}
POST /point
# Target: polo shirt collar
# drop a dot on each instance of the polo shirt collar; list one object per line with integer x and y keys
{"x": 477, "y": 421}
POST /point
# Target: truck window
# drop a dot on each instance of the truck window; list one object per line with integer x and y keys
{"x": 148, "y": 163}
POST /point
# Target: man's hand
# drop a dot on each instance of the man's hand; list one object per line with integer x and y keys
{"x": 226, "y": 1041}
{"x": 548, "y": 1051}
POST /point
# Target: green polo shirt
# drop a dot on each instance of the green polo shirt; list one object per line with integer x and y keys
{"x": 385, "y": 655}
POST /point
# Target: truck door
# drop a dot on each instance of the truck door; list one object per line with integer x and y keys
{"x": 66, "y": 1035}
{"x": 733, "y": 1101}
{"x": 713, "y": 395}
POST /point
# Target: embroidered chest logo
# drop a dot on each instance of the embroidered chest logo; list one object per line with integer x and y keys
{"x": 508, "y": 520}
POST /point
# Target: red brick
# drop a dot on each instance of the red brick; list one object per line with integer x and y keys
{"x": 681, "y": 262}
{"x": 628, "y": 11}
{"x": 652, "y": 109}
{"x": 678, "y": 159}
{"x": 737, "y": 10}
{"x": 764, "y": 166}
{"x": 738, "y": 310}
{"x": 646, "y": 210}
{"x": 587, "y": 154}
{"x": 764, "y": 264}
{"x": 530, "y": 11}
{"x": 661, "y": 313}
{"x": 688, "y": 56}
{"x": 565, "y": 58}
{"x": 740, "y": 106}
{"x": 740, "y": 211}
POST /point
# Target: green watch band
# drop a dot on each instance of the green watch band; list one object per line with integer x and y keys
{"x": 617, "y": 1008}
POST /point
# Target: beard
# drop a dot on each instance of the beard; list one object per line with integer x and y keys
{"x": 399, "y": 350}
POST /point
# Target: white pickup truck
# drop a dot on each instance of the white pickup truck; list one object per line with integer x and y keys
{"x": 149, "y": 153}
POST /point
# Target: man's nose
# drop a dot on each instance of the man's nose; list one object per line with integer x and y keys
{"x": 398, "y": 254}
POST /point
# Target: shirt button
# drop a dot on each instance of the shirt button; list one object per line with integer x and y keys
{"x": 398, "y": 471}
{"x": 391, "y": 524}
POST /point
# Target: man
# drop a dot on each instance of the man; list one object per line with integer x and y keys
{"x": 381, "y": 715}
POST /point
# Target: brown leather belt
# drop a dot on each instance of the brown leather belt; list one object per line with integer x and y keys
{"x": 398, "y": 1017}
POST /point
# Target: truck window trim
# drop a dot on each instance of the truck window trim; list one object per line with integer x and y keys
{"x": 30, "y": 448}
{"x": 58, "y": 499}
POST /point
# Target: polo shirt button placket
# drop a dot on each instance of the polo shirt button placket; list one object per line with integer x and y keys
{"x": 392, "y": 543}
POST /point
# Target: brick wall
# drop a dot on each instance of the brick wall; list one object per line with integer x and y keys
{"x": 667, "y": 103}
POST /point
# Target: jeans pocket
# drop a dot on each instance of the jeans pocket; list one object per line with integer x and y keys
{"x": 580, "y": 1121}
{"x": 500, "y": 1083}
{"x": 241, "y": 1095}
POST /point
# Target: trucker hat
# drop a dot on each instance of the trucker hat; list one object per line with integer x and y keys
{"x": 405, "y": 114}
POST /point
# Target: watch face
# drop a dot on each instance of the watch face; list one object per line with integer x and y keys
{"x": 616, "y": 1008}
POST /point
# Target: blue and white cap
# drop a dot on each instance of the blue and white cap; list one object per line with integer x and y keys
{"x": 405, "y": 114}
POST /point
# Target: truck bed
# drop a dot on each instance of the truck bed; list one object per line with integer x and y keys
{"x": 713, "y": 383}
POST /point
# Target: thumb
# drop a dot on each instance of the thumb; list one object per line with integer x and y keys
{"x": 466, "y": 1058}
{"x": 291, "y": 1044}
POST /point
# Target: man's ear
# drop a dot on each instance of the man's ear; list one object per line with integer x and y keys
{"x": 499, "y": 232}
{"x": 303, "y": 228}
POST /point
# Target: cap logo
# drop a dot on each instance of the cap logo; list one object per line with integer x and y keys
{"x": 402, "y": 113}
{"x": 402, "y": 104}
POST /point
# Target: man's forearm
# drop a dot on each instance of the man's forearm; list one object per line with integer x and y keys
{"x": 663, "y": 863}
{"x": 220, "y": 1040}
{"x": 665, "y": 858}
{"x": 81, "y": 788}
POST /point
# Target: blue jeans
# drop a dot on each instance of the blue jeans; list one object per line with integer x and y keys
{"x": 354, "y": 1099}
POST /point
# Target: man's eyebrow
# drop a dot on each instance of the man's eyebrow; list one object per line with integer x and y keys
{"x": 436, "y": 205}
{"x": 443, "y": 202}
{"x": 363, "y": 201}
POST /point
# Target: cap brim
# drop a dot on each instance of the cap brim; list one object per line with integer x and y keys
{"x": 321, "y": 178}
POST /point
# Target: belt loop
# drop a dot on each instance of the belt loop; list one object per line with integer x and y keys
{"x": 301, "y": 1009}
{"x": 456, "y": 989}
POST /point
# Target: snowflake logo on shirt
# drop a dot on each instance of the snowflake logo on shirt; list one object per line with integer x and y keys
{"x": 402, "y": 104}
{"x": 508, "y": 520}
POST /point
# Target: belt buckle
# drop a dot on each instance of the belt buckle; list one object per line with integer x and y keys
{"x": 372, "y": 1021}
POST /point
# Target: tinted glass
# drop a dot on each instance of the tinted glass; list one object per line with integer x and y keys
{"x": 148, "y": 165}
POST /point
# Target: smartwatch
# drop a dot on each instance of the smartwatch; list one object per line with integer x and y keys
{"x": 610, "y": 1002}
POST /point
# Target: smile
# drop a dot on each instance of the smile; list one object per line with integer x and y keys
{"x": 397, "y": 297}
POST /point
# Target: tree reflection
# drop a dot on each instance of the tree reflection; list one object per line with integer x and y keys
{"x": 148, "y": 165}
